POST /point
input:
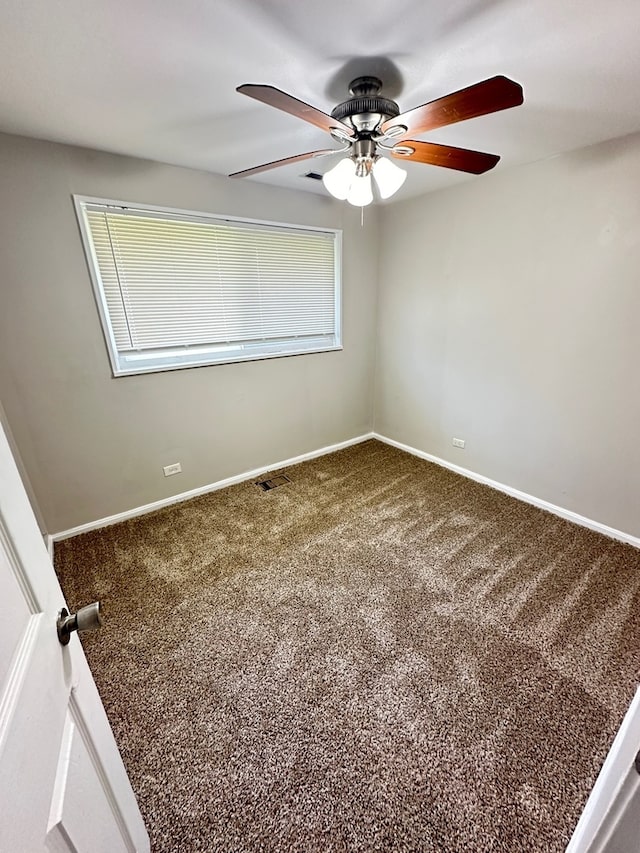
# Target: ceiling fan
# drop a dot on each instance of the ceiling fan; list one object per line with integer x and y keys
{"x": 368, "y": 125}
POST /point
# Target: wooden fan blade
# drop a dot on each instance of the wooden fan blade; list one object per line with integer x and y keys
{"x": 490, "y": 96}
{"x": 281, "y": 101}
{"x": 285, "y": 162}
{"x": 462, "y": 159}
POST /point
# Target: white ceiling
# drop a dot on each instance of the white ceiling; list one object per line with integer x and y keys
{"x": 157, "y": 79}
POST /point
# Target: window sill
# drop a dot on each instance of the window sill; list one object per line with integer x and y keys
{"x": 235, "y": 358}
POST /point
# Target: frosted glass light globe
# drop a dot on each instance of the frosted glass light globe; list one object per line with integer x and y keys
{"x": 338, "y": 180}
{"x": 360, "y": 193}
{"x": 388, "y": 177}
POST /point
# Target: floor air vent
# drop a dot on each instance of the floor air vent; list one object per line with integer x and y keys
{"x": 273, "y": 482}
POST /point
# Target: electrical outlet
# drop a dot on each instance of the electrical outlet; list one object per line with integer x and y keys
{"x": 458, "y": 442}
{"x": 176, "y": 468}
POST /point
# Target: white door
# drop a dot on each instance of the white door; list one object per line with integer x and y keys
{"x": 63, "y": 786}
{"x": 610, "y": 822}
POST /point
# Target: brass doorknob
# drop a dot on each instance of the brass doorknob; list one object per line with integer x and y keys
{"x": 86, "y": 619}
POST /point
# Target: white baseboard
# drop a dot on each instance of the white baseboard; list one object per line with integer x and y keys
{"x": 516, "y": 493}
{"x": 249, "y": 475}
{"x": 201, "y": 490}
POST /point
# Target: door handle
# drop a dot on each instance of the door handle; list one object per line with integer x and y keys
{"x": 87, "y": 618}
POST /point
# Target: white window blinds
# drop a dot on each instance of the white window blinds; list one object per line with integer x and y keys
{"x": 178, "y": 290}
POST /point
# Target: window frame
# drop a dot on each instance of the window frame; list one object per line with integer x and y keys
{"x": 207, "y": 352}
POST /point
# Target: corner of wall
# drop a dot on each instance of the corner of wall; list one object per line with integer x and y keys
{"x": 23, "y": 472}
{"x": 382, "y": 214}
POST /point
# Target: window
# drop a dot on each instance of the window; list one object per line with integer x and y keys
{"x": 178, "y": 289}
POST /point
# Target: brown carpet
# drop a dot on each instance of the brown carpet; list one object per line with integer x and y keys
{"x": 378, "y": 656}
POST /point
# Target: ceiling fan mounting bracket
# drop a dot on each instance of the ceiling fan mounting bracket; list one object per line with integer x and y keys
{"x": 362, "y": 86}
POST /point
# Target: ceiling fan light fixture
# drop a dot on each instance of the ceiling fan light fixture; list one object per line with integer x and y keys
{"x": 339, "y": 179}
{"x": 388, "y": 177}
{"x": 360, "y": 191}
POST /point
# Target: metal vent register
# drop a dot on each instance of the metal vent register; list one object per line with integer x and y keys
{"x": 273, "y": 482}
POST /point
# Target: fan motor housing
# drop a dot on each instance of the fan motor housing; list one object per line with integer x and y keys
{"x": 365, "y": 109}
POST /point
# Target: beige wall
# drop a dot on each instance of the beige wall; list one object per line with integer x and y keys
{"x": 93, "y": 445}
{"x": 509, "y": 312}
{"x": 508, "y": 315}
